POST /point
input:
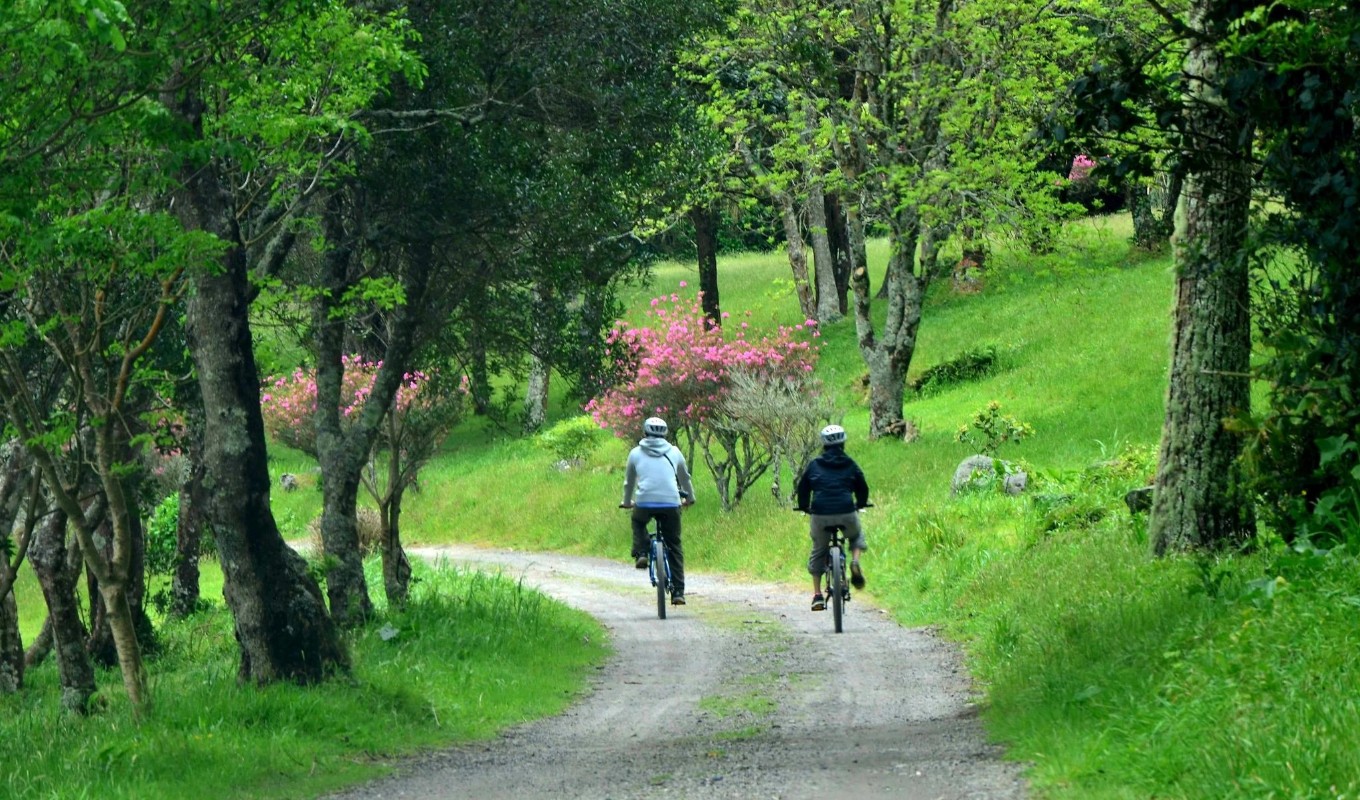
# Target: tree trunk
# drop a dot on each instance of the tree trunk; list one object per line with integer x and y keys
{"x": 184, "y": 590}
{"x": 118, "y": 566}
{"x": 888, "y": 355}
{"x": 536, "y": 394}
{"x": 58, "y": 569}
{"x": 11, "y": 646}
{"x": 346, "y": 587}
{"x": 100, "y": 645}
{"x": 838, "y": 232}
{"x": 793, "y": 236}
{"x": 17, "y": 484}
{"x": 396, "y": 566}
{"x": 281, "y": 622}
{"x": 705, "y": 221}
{"x": 1175, "y": 184}
{"x": 123, "y": 627}
{"x": 345, "y": 451}
{"x": 1196, "y": 504}
{"x": 828, "y": 302}
{"x": 540, "y": 366}
{"x": 479, "y": 374}
{"x": 103, "y": 642}
{"x": 1146, "y": 231}
{"x": 41, "y": 646}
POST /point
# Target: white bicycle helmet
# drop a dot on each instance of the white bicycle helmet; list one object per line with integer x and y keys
{"x": 655, "y": 426}
{"x": 833, "y": 434}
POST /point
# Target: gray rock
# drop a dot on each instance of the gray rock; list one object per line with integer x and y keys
{"x": 979, "y": 472}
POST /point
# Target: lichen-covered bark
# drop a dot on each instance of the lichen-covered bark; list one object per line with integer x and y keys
{"x": 888, "y": 352}
{"x": 11, "y": 646}
{"x": 1195, "y": 503}
{"x": 824, "y": 266}
{"x": 189, "y": 529}
{"x": 58, "y": 568}
{"x": 797, "y": 251}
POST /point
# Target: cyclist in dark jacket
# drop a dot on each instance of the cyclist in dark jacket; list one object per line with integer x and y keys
{"x": 832, "y": 489}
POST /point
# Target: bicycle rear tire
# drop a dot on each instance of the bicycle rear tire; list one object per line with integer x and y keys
{"x": 661, "y": 573}
{"x": 837, "y": 566}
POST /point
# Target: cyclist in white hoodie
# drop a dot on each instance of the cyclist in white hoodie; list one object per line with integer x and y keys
{"x": 656, "y": 484}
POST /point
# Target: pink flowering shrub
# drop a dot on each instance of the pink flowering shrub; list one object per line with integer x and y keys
{"x": 1081, "y": 167}
{"x": 289, "y": 402}
{"x": 680, "y": 366}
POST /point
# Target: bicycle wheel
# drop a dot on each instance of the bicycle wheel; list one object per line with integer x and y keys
{"x": 837, "y": 587}
{"x": 661, "y": 573}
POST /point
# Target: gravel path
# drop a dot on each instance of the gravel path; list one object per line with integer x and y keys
{"x": 743, "y": 693}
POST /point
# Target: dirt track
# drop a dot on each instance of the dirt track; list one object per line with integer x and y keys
{"x": 743, "y": 693}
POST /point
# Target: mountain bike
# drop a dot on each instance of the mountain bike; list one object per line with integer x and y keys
{"x": 837, "y": 587}
{"x": 658, "y": 566}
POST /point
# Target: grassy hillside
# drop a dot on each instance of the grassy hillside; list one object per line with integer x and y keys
{"x": 1113, "y": 674}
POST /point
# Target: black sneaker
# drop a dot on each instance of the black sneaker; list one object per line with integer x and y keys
{"x": 641, "y": 562}
{"x": 677, "y": 599}
{"x": 818, "y": 603}
{"x": 856, "y": 576}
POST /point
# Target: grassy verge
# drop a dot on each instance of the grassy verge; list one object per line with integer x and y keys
{"x": 470, "y": 655}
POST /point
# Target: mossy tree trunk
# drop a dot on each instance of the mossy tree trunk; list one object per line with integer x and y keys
{"x": 282, "y": 626}
{"x": 57, "y": 566}
{"x": 1195, "y": 504}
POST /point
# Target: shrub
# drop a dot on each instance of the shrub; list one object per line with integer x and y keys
{"x": 370, "y": 532}
{"x": 990, "y": 429}
{"x": 289, "y": 402}
{"x": 572, "y": 440}
{"x": 971, "y": 364}
{"x": 162, "y": 536}
{"x": 681, "y": 370}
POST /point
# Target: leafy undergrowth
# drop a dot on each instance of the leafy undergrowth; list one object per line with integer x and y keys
{"x": 470, "y": 655}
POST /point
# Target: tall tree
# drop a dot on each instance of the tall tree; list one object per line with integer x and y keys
{"x": 926, "y": 107}
{"x": 1195, "y": 501}
{"x": 281, "y": 622}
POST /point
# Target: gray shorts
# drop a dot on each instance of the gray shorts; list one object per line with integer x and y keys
{"x": 854, "y": 537}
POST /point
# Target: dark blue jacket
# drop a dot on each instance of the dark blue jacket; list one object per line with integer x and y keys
{"x": 834, "y": 484}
